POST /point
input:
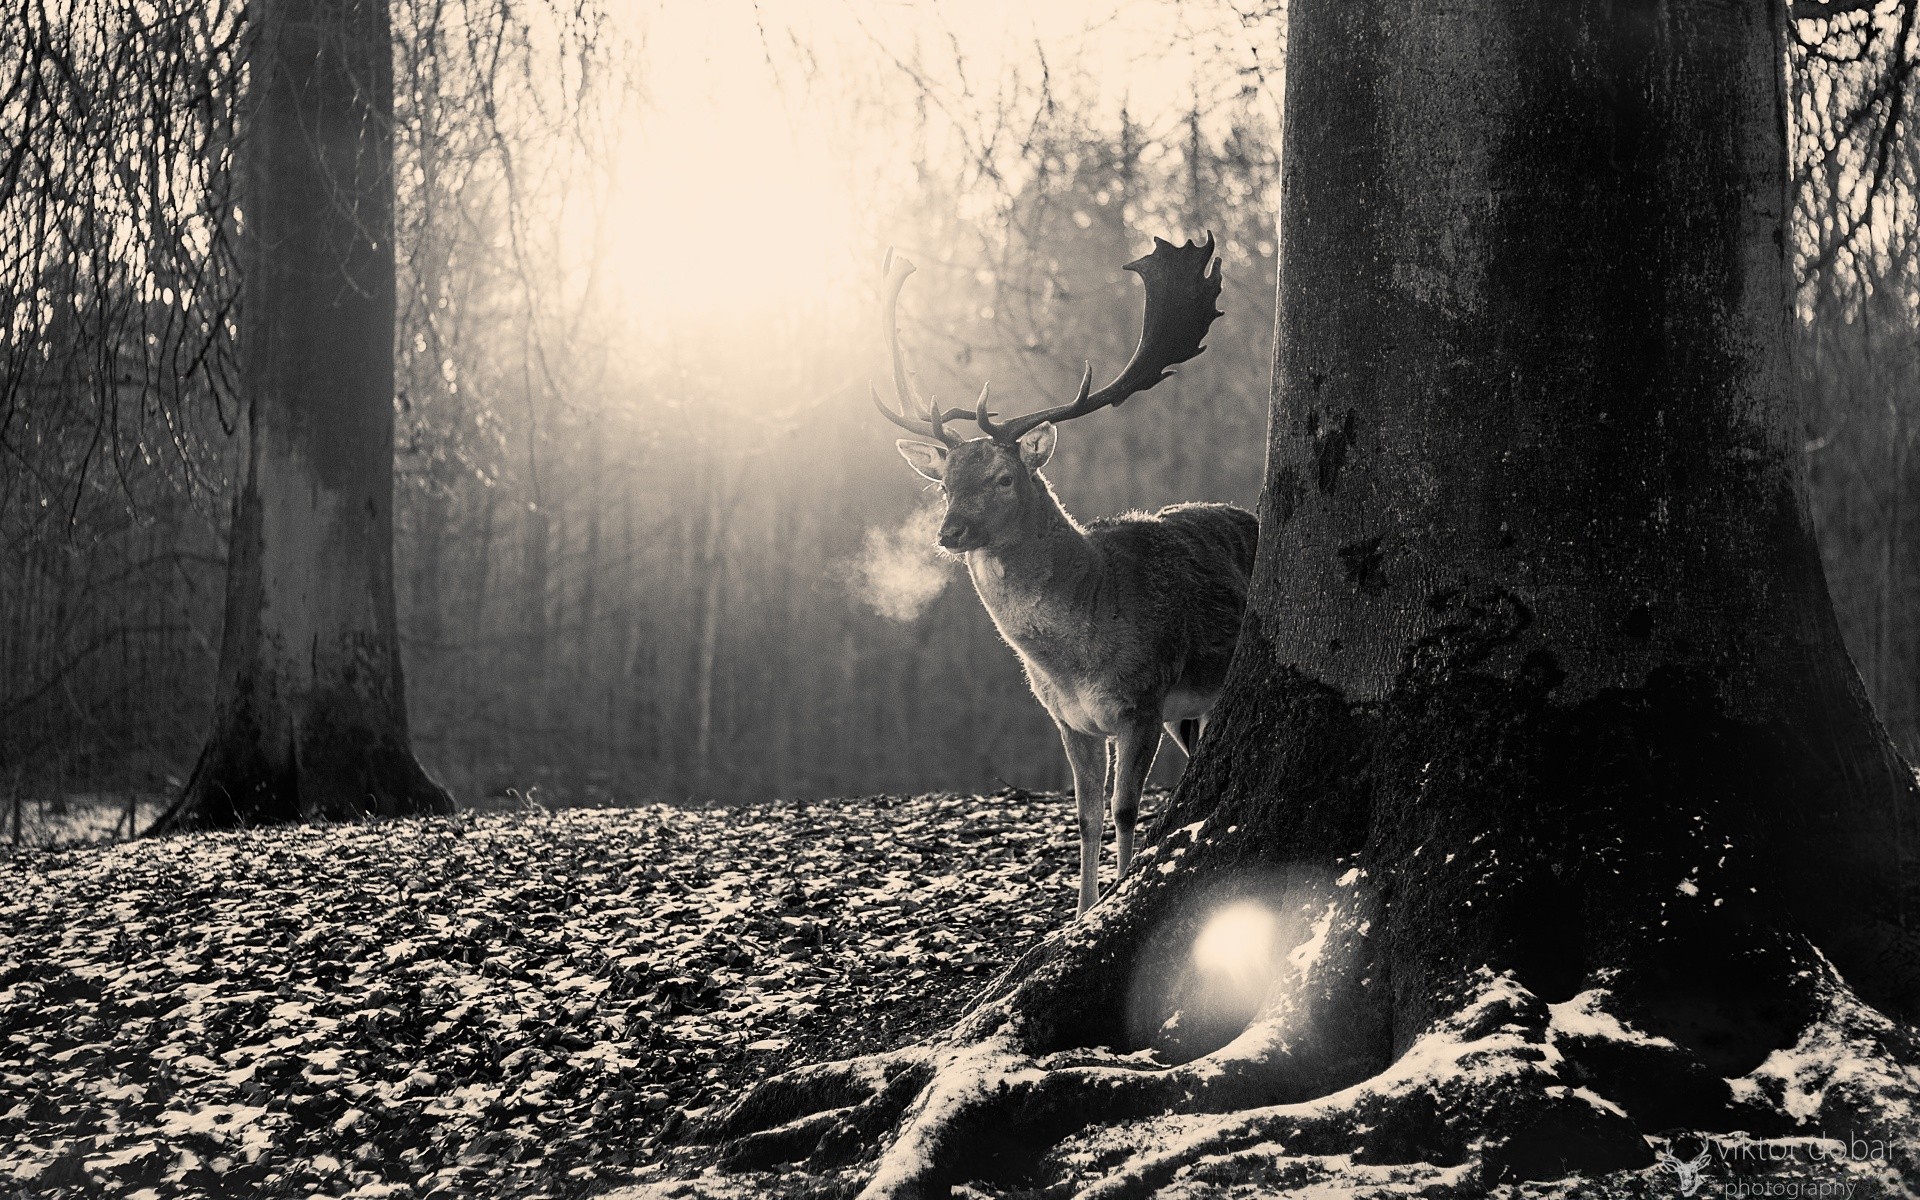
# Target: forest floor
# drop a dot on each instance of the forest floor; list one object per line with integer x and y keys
{"x": 507, "y": 1005}
{"x": 534, "y": 1004}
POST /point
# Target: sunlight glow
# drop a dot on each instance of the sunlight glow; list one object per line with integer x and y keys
{"x": 1238, "y": 942}
{"x": 757, "y": 172}
{"x": 727, "y": 195}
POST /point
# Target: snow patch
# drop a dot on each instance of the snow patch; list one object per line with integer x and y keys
{"x": 1586, "y": 1016}
{"x": 1307, "y": 953}
{"x": 1839, "y": 1068}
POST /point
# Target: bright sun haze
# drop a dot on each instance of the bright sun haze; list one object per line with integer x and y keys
{"x": 727, "y": 196}
{"x": 752, "y": 177}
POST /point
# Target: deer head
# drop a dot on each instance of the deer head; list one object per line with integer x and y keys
{"x": 991, "y": 481}
{"x": 1687, "y": 1171}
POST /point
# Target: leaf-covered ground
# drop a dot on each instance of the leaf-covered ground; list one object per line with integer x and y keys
{"x": 509, "y": 1005}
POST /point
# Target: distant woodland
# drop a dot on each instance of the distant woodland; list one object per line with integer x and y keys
{"x": 639, "y": 565}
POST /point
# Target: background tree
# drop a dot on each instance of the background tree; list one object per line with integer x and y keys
{"x": 116, "y": 383}
{"x": 1542, "y": 752}
{"x": 1859, "y": 336}
{"x": 311, "y": 716}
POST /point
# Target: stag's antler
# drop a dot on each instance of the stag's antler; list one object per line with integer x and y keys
{"x": 1180, "y": 296}
{"x": 915, "y": 415}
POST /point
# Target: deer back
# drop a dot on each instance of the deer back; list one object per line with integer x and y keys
{"x": 1186, "y": 569}
{"x": 1115, "y": 619}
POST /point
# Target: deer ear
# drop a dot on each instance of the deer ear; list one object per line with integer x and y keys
{"x": 928, "y": 460}
{"x": 1036, "y": 447}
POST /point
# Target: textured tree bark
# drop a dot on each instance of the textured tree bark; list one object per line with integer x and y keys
{"x": 1534, "y": 459}
{"x": 311, "y": 717}
{"x": 1541, "y": 749}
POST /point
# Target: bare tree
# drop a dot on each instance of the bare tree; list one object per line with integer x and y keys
{"x": 116, "y": 356}
{"x": 1855, "y": 157}
{"x": 311, "y": 718}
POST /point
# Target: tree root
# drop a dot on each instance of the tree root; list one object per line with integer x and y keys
{"x": 364, "y": 773}
{"x": 1505, "y": 1088}
{"x": 984, "y": 1108}
{"x": 1479, "y": 1091}
{"x": 824, "y": 1114}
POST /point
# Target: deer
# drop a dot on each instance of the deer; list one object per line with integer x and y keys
{"x": 1124, "y": 624}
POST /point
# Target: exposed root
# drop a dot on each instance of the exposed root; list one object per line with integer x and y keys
{"x": 991, "y": 1111}
{"x": 790, "y": 1100}
{"x": 1851, "y": 1067}
{"x": 1480, "y": 1095}
{"x": 1504, "y": 1089}
{"x": 362, "y": 773}
{"x": 1496, "y": 1094}
{"x": 836, "y": 1136}
{"x": 986, "y": 1109}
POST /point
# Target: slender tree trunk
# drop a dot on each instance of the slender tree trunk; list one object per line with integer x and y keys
{"x": 587, "y": 647}
{"x": 535, "y": 534}
{"x": 311, "y": 717}
{"x": 483, "y": 565}
{"x": 632, "y": 688}
{"x": 1895, "y": 685}
{"x": 710, "y": 566}
{"x": 1903, "y": 696}
{"x": 430, "y": 551}
{"x": 1541, "y": 760}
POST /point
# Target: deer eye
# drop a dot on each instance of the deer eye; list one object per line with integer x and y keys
{"x": 1006, "y": 481}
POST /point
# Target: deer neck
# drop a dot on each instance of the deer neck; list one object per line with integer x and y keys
{"x": 1038, "y": 571}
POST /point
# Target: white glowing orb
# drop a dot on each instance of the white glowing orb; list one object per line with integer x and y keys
{"x": 1238, "y": 941}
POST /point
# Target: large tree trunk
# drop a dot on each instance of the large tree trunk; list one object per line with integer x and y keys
{"x": 311, "y": 717}
{"x": 1558, "y": 508}
{"x": 1552, "y": 797}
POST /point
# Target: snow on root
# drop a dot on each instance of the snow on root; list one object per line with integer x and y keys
{"x": 1843, "y": 1072}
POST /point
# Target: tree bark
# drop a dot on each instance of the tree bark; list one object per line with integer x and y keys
{"x": 311, "y": 717}
{"x": 1541, "y": 755}
{"x": 1570, "y": 472}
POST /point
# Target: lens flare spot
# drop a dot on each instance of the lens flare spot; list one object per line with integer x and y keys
{"x": 1237, "y": 942}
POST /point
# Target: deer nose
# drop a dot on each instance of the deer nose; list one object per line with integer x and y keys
{"x": 954, "y": 532}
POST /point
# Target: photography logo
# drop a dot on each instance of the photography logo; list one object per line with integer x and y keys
{"x": 1686, "y": 1169}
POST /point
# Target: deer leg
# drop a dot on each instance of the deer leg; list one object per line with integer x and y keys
{"x": 1087, "y": 755}
{"x": 1134, "y": 751}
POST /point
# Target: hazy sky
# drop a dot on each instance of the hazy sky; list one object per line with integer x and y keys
{"x": 778, "y": 126}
